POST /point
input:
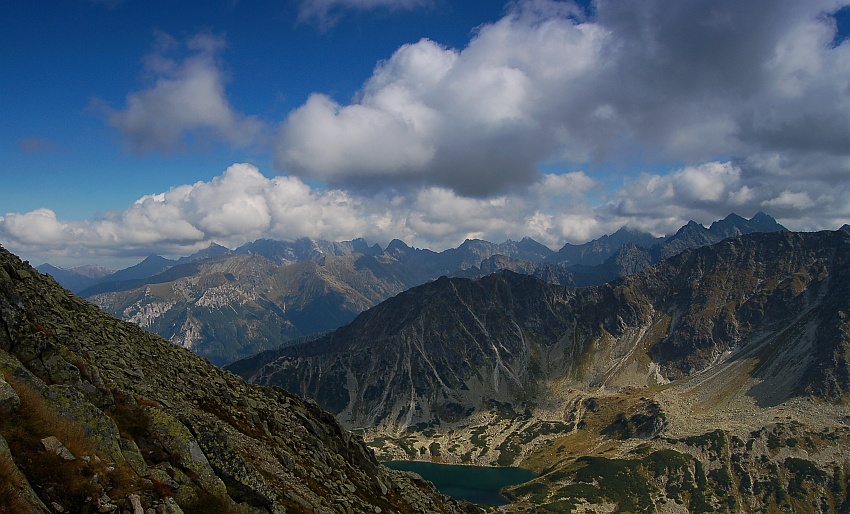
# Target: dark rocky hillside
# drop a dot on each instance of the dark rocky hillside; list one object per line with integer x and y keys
{"x": 99, "y": 415}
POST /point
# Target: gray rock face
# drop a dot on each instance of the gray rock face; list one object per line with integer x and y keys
{"x": 54, "y": 445}
{"x": 9, "y": 401}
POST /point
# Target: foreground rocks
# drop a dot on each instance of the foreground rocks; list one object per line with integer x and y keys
{"x": 135, "y": 424}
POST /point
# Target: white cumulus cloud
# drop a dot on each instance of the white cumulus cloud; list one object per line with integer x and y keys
{"x": 241, "y": 205}
{"x": 185, "y": 102}
{"x": 657, "y": 81}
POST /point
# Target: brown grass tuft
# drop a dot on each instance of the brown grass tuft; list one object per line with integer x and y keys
{"x": 71, "y": 484}
{"x": 10, "y": 487}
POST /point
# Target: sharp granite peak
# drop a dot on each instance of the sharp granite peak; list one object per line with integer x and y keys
{"x": 99, "y": 415}
{"x": 230, "y": 304}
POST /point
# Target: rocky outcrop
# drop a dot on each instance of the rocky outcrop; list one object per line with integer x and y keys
{"x": 153, "y": 426}
{"x": 9, "y": 400}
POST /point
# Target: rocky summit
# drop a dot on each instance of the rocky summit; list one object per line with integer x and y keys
{"x": 99, "y": 415}
{"x": 715, "y": 381}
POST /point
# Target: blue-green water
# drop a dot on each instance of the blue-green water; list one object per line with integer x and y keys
{"x": 477, "y": 484}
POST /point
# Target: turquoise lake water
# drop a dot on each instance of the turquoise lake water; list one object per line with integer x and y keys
{"x": 477, "y": 484}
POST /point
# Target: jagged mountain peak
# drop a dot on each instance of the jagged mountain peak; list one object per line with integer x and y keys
{"x": 397, "y": 246}
{"x": 694, "y": 235}
{"x": 734, "y": 225}
{"x": 595, "y": 252}
{"x": 301, "y": 249}
{"x": 212, "y": 251}
{"x": 767, "y": 221}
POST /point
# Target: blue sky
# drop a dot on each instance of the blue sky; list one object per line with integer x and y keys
{"x": 63, "y": 58}
{"x": 131, "y": 127}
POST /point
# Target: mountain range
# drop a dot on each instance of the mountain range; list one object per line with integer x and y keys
{"x": 692, "y": 383}
{"x": 457, "y": 345}
{"x": 712, "y": 380}
{"x": 229, "y": 304}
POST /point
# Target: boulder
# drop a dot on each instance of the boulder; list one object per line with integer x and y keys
{"x": 54, "y": 445}
{"x": 9, "y": 401}
{"x": 179, "y": 443}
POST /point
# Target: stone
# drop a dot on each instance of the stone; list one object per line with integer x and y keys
{"x": 136, "y": 504}
{"x": 71, "y": 403}
{"x": 9, "y": 400}
{"x": 53, "y": 444}
{"x": 169, "y": 506}
{"x": 178, "y": 441}
{"x": 104, "y": 504}
{"x": 60, "y": 370}
{"x": 133, "y": 457}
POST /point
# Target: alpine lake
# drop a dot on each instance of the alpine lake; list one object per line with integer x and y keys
{"x": 476, "y": 484}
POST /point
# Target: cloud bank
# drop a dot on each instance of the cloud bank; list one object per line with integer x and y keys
{"x": 685, "y": 82}
{"x": 242, "y": 205}
{"x": 555, "y": 122}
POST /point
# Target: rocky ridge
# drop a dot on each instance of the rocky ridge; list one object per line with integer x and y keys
{"x": 226, "y": 305}
{"x": 102, "y": 416}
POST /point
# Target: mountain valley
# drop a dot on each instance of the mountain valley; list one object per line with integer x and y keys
{"x": 708, "y": 372}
